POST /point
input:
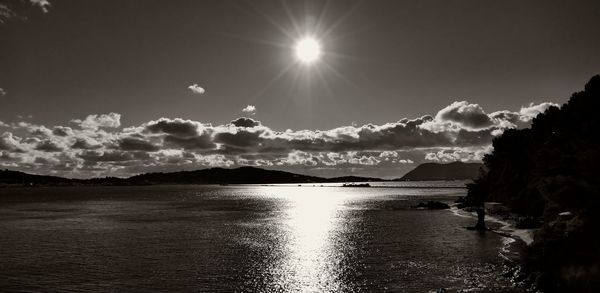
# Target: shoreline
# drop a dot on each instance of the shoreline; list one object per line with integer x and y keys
{"x": 507, "y": 228}
{"x": 514, "y": 240}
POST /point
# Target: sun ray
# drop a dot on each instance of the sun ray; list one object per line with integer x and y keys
{"x": 254, "y": 40}
{"x": 272, "y": 22}
{"x": 272, "y": 81}
{"x": 322, "y": 16}
{"x": 339, "y": 75}
{"x": 291, "y": 17}
{"x": 341, "y": 19}
{"x": 325, "y": 84}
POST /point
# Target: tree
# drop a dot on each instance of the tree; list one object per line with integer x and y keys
{"x": 551, "y": 171}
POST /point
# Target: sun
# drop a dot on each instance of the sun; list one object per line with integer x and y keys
{"x": 308, "y": 50}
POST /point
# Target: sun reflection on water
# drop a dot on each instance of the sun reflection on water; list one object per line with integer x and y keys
{"x": 311, "y": 219}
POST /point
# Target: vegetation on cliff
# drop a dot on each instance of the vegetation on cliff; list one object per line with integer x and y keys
{"x": 551, "y": 171}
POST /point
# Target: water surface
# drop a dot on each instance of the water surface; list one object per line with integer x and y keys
{"x": 282, "y": 238}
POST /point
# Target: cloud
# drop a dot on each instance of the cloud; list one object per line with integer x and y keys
{"x": 112, "y": 156}
{"x": 196, "y": 89}
{"x": 136, "y": 144}
{"x": 99, "y": 146}
{"x": 62, "y": 131}
{"x": 93, "y": 122}
{"x": 176, "y": 127}
{"x": 48, "y": 146}
{"x": 85, "y": 144}
{"x": 2, "y": 92}
{"x": 9, "y": 142}
{"x": 460, "y": 115}
{"x": 42, "y": 4}
{"x": 529, "y": 112}
{"x": 202, "y": 142}
{"x": 10, "y": 9}
{"x": 249, "y": 109}
{"x": 446, "y": 155}
{"x": 466, "y": 117}
{"x": 245, "y": 122}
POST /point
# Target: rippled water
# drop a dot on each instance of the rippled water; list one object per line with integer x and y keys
{"x": 241, "y": 238}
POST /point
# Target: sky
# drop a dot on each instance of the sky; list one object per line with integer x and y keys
{"x": 116, "y": 88}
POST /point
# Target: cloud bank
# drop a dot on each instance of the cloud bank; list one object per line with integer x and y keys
{"x": 98, "y": 145}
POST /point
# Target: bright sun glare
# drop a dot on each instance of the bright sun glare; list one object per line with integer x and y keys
{"x": 308, "y": 50}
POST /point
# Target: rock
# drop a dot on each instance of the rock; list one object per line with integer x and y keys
{"x": 495, "y": 208}
{"x": 433, "y": 205}
{"x": 527, "y": 223}
{"x": 356, "y": 185}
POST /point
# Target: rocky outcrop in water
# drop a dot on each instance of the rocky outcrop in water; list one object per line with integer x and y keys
{"x": 433, "y": 205}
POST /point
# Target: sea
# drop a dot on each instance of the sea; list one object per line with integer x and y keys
{"x": 245, "y": 238}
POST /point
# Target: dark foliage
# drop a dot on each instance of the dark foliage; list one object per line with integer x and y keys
{"x": 550, "y": 172}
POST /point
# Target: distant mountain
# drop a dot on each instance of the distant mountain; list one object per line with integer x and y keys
{"x": 242, "y": 175}
{"x": 435, "y": 171}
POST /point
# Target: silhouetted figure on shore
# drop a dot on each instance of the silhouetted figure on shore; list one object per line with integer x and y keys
{"x": 480, "y": 226}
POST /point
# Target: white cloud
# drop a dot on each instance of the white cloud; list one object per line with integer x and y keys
{"x": 388, "y": 154}
{"x": 463, "y": 154}
{"x": 249, "y": 109}
{"x": 110, "y": 120}
{"x": 529, "y": 112}
{"x": 2, "y": 92}
{"x": 460, "y": 116}
{"x": 42, "y": 4}
{"x": 196, "y": 89}
{"x": 97, "y": 146}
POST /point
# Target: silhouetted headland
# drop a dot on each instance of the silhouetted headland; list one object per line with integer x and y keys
{"x": 436, "y": 171}
{"x": 549, "y": 174}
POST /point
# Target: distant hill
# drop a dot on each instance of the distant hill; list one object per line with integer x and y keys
{"x": 355, "y": 179}
{"x": 17, "y": 178}
{"x": 242, "y": 175}
{"x": 435, "y": 171}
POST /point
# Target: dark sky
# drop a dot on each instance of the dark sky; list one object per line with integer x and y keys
{"x": 383, "y": 61}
